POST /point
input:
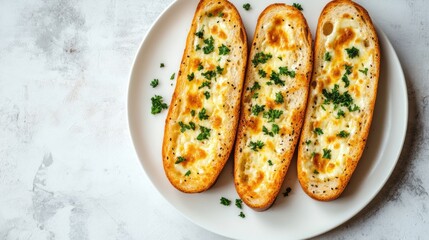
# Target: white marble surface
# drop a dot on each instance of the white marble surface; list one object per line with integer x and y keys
{"x": 68, "y": 169}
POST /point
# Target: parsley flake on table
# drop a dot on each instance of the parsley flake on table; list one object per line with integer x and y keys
{"x": 172, "y": 76}
{"x": 239, "y": 203}
{"x": 297, "y": 6}
{"x": 242, "y": 215}
{"x": 286, "y": 193}
{"x": 157, "y": 104}
{"x": 246, "y": 6}
{"x": 225, "y": 201}
{"x": 154, "y": 83}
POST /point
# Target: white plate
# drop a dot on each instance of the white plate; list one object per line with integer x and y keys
{"x": 295, "y": 216}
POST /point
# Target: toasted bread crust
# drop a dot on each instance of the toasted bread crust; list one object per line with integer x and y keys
{"x": 331, "y": 186}
{"x": 206, "y": 158}
{"x": 281, "y": 31}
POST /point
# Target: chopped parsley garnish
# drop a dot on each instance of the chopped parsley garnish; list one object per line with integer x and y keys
{"x": 281, "y": 59}
{"x": 180, "y": 159}
{"x": 198, "y": 47}
{"x": 336, "y": 98}
{"x": 161, "y": 65}
{"x": 345, "y": 80}
{"x": 285, "y": 71}
{"x": 200, "y": 67}
{"x": 188, "y": 173}
{"x": 257, "y": 109}
{"x": 210, "y": 15}
{"x": 255, "y": 95}
{"x": 205, "y": 133}
{"x": 275, "y": 78}
{"x": 246, "y": 6}
{"x": 327, "y": 153}
{"x": 261, "y": 57}
{"x": 318, "y": 131}
{"x": 270, "y": 163}
{"x": 343, "y": 134}
{"x": 328, "y": 57}
{"x": 219, "y": 70}
{"x": 157, "y": 104}
{"x": 184, "y": 127}
{"x": 239, "y": 203}
{"x": 307, "y": 142}
{"x": 274, "y": 130}
{"x": 192, "y": 112}
{"x": 348, "y": 68}
{"x": 220, "y": 14}
{"x": 202, "y": 115}
{"x": 262, "y": 73}
{"x": 286, "y": 193}
{"x": 200, "y": 33}
{"x": 353, "y": 108}
{"x": 365, "y": 71}
{"x": 272, "y": 114}
{"x": 298, "y": 6}
{"x": 191, "y": 77}
{"x": 172, "y": 76}
{"x": 315, "y": 171}
{"x": 313, "y": 154}
{"x": 341, "y": 113}
{"x": 154, "y": 83}
{"x": 207, "y": 94}
{"x": 256, "y": 146}
{"x": 279, "y": 98}
{"x": 242, "y": 215}
{"x": 205, "y": 84}
{"x": 209, "y": 45}
{"x": 223, "y": 50}
{"x": 225, "y": 201}
{"x": 209, "y": 74}
{"x": 255, "y": 87}
{"x": 352, "y": 52}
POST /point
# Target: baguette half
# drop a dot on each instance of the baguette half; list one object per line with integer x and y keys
{"x": 341, "y": 100}
{"x": 201, "y": 122}
{"x": 273, "y": 105}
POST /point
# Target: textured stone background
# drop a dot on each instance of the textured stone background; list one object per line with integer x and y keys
{"x": 68, "y": 169}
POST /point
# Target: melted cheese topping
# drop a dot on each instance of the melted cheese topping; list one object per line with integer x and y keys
{"x": 210, "y": 60}
{"x": 281, "y": 44}
{"x": 328, "y": 152}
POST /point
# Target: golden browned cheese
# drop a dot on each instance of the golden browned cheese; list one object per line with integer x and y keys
{"x": 341, "y": 99}
{"x": 274, "y": 101}
{"x": 202, "y": 119}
